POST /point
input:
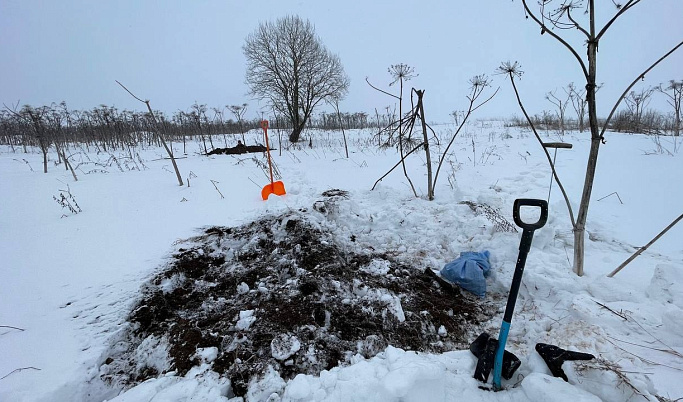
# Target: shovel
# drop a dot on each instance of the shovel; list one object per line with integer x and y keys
{"x": 486, "y": 348}
{"x": 275, "y": 187}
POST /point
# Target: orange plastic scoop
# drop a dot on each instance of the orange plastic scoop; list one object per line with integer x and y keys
{"x": 275, "y": 187}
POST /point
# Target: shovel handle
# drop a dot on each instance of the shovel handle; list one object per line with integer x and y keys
{"x": 529, "y": 202}
{"x": 264, "y": 126}
{"x": 524, "y": 246}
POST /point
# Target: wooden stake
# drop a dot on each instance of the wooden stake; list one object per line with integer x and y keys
{"x": 640, "y": 251}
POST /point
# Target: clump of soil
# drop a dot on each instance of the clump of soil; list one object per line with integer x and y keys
{"x": 280, "y": 292}
{"x": 237, "y": 150}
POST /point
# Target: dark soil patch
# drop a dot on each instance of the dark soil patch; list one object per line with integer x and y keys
{"x": 279, "y": 292}
{"x": 237, "y": 150}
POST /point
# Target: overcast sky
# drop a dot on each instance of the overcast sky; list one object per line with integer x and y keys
{"x": 178, "y": 52}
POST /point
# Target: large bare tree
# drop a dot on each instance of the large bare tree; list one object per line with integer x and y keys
{"x": 289, "y": 67}
{"x": 559, "y": 19}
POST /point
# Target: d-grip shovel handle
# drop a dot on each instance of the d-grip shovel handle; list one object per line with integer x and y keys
{"x": 524, "y": 246}
{"x": 530, "y": 202}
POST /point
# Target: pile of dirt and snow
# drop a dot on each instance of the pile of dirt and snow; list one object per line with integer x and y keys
{"x": 282, "y": 294}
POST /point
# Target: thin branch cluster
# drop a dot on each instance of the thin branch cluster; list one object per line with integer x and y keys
{"x": 67, "y": 201}
{"x": 400, "y": 72}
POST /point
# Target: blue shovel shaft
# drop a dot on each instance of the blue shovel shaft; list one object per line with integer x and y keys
{"x": 498, "y": 362}
{"x": 524, "y": 247}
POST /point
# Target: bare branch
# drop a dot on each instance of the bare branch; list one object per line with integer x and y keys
{"x": 377, "y": 89}
{"x": 11, "y": 327}
{"x": 577, "y": 25}
{"x": 558, "y": 38}
{"x": 396, "y": 165}
{"x": 18, "y": 370}
{"x": 131, "y": 94}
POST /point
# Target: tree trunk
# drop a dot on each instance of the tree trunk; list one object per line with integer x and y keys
{"x": 580, "y": 225}
{"x": 298, "y": 127}
{"x": 160, "y": 135}
{"x": 295, "y": 135}
{"x": 44, "y": 149}
{"x": 341, "y": 125}
{"x": 430, "y": 185}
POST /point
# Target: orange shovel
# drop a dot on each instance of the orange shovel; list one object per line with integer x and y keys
{"x": 275, "y": 187}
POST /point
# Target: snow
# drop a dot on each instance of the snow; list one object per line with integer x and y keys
{"x": 246, "y": 319}
{"x": 70, "y": 280}
{"x": 284, "y": 345}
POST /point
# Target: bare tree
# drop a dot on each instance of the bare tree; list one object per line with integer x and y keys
{"x": 421, "y": 113}
{"x": 198, "y": 117}
{"x": 675, "y": 97}
{"x": 417, "y": 112}
{"x": 560, "y": 107}
{"x": 636, "y": 103}
{"x": 335, "y": 103}
{"x": 59, "y": 121}
{"x": 158, "y": 128}
{"x": 238, "y": 111}
{"x": 562, "y": 19}
{"x": 219, "y": 121}
{"x": 578, "y": 99}
{"x": 36, "y": 119}
{"x": 457, "y": 115}
{"x": 401, "y": 73}
{"x": 290, "y": 68}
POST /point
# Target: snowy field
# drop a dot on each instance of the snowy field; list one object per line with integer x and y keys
{"x": 68, "y": 281}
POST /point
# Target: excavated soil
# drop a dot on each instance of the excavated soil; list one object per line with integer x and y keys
{"x": 279, "y": 292}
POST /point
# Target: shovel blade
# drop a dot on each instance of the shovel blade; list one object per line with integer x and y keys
{"x": 484, "y": 348}
{"x": 277, "y": 188}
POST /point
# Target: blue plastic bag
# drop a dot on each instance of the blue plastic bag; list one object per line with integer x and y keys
{"x": 469, "y": 271}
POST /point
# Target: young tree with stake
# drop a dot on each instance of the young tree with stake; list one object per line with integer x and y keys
{"x": 555, "y": 22}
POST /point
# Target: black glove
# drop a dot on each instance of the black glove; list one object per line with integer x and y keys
{"x": 554, "y": 357}
{"x": 484, "y": 348}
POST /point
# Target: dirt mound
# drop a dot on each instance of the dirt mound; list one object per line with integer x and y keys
{"x": 237, "y": 150}
{"x": 279, "y": 292}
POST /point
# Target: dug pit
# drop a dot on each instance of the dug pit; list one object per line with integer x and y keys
{"x": 281, "y": 293}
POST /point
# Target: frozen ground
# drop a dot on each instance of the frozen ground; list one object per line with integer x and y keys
{"x": 69, "y": 282}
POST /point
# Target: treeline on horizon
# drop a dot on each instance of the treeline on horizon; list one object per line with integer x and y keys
{"x": 107, "y": 126}
{"x": 110, "y": 127}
